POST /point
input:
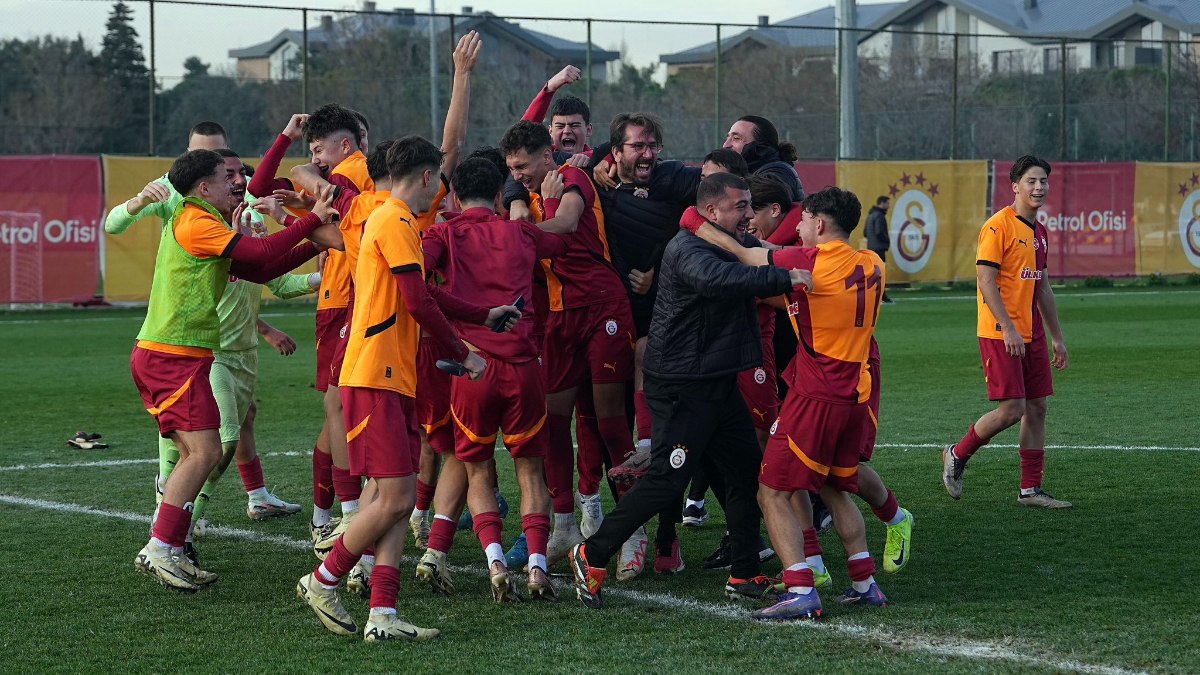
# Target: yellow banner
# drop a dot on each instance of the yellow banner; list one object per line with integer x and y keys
{"x": 936, "y": 211}
{"x": 1167, "y": 218}
{"x": 129, "y": 257}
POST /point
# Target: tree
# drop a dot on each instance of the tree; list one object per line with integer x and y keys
{"x": 194, "y": 67}
{"x": 124, "y": 67}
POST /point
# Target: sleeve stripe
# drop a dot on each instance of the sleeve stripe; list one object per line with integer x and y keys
{"x": 237, "y": 236}
{"x": 988, "y": 263}
{"x": 411, "y": 267}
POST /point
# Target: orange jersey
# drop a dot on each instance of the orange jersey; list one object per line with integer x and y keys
{"x": 834, "y": 320}
{"x": 584, "y": 275}
{"x": 355, "y": 220}
{"x": 430, "y": 216}
{"x": 1017, "y": 249}
{"x": 354, "y": 167}
{"x": 334, "y": 292}
{"x": 382, "y": 348}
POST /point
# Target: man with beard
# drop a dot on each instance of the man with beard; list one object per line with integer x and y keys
{"x": 704, "y": 331}
{"x": 758, "y": 142}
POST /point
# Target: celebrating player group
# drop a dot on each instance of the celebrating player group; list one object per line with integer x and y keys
{"x": 533, "y": 293}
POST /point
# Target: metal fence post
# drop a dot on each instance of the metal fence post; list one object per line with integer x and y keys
{"x": 588, "y": 64}
{"x": 151, "y": 112}
{"x": 1167, "y": 104}
{"x": 954, "y": 104}
{"x": 304, "y": 63}
{"x": 1062, "y": 101}
{"x": 433, "y": 94}
{"x": 717, "y": 92}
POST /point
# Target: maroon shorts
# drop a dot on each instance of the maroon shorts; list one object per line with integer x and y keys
{"x": 509, "y": 396}
{"x": 593, "y": 343}
{"x": 868, "y": 447}
{"x": 814, "y": 442}
{"x": 329, "y": 326}
{"x": 433, "y": 398}
{"x": 175, "y": 390}
{"x": 1011, "y": 377}
{"x": 760, "y": 390}
{"x": 381, "y": 432}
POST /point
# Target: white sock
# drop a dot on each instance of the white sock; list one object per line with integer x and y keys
{"x": 159, "y": 543}
{"x": 1025, "y": 492}
{"x": 419, "y": 516}
{"x": 817, "y": 563}
{"x": 864, "y": 585}
{"x": 350, "y": 506}
{"x": 383, "y": 611}
{"x": 367, "y": 560}
{"x": 897, "y": 519}
{"x": 644, "y": 444}
{"x": 445, "y": 518}
{"x": 494, "y": 553}
{"x": 324, "y": 573}
{"x": 693, "y": 502}
{"x": 258, "y": 494}
{"x": 538, "y": 560}
{"x": 799, "y": 567}
{"x": 321, "y": 516}
{"x": 564, "y": 520}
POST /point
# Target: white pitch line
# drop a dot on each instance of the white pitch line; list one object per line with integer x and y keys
{"x": 129, "y": 317}
{"x": 906, "y": 641}
{"x": 1119, "y": 448}
{"x": 122, "y": 462}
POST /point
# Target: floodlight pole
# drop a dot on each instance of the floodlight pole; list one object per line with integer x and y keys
{"x": 845, "y": 19}
{"x": 151, "y": 109}
{"x": 433, "y": 97}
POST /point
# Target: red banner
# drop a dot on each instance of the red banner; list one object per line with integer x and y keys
{"x": 1089, "y": 215}
{"x": 816, "y": 176}
{"x": 51, "y": 212}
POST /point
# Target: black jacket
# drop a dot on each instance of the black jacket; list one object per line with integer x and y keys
{"x": 877, "y": 230}
{"x": 705, "y": 323}
{"x": 763, "y": 159}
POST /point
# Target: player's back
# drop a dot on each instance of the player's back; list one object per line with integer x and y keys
{"x": 834, "y": 322}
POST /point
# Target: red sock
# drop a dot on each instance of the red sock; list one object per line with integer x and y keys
{"x": 889, "y": 509}
{"x": 969, "y": 444}
{"x": 339, "y": 562}
{"x": 488, "y": 527}
{"x": 812, "y": 543}
{"x": 861, "y": 569}
{"x": 347, "y": 487}
{"x": 801, "y": 578}
{"x": 322, "y": 471}
{"x": 560, "y": 464}
{"x": 252, "y": 475}
{"x": 641, "y": 415}
{"x": 591, "y": 455}
{"x": 172, "y": 524}
{"x": 441, "y": 534}
{"x": 424, "y": 495}
{"x": 385, "y": 585}
{"x": 1033, "y": 464}
{"x": 537, "y": 531}
{"x": 617, "y": 439}
{"x": 370, "y": 550}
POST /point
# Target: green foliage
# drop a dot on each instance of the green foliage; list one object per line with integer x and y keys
{"x": 1097, "y": 282}
{"x": 1157, "y": 280}
{"x": 1192, "y": 279}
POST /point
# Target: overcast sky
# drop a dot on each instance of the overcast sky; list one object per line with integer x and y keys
{"x": 210, "y": 32}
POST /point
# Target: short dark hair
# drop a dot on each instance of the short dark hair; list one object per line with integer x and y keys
{"x": 713, "y": 188}
{"x": 362, "y": 119}
{"x": 766, "y": 190}
{"x": 568, "y": 105}
{"x": 226, "y": 152}
{"x": 377, "y": 166}
{"x": 411, "y": 154}
{"x": 733, "y": 162}
{"x": 841, "y": 205}
{"x": 477, "y": 179}
{"x": 1024, "y": 164}
{"x": 192, "y": 167}
{"x": 767, "y": 134}
{"x": 616, "y": 130}
{"x": 881, "y": 199}
{"x": 492, "y": 154}
{"x": 330, "y": 119}
{"x": 208, "y": 128}
{"x": 527, "y": 136}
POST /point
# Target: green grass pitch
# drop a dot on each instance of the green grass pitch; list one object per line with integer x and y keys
{"x": 1103, "y": 587}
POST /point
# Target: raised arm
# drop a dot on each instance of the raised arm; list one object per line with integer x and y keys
{"x": 466, "y": 55}
{"x": 153, "y": 200}
{"x": 264, "y": 181}
{"x": 541, "y": 103}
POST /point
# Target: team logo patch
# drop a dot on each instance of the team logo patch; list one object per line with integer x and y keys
{"x": 342, "y": 332}
{"x": 774, "y": 426}
{"x": 678, "y": 456}
{"x": 760, "y": 376}
{"x": 610, "y": 327}
{"x": 913, "y": 224}
{"x": 1036, "y": 245}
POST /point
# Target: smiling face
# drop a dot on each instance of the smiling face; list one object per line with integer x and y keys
{"x": 1031, "y": 189}
{"x": 731, "y": 212}
{"x": 529, "y": 169}
{"x": 637, "y": 155}
{"x": 328, "y": 152}
{"x": 570, "y": 132}
{"x": 219, "y": 188}
{"x": 741, "y": 133}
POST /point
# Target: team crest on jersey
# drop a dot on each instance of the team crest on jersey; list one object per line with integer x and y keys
{"x": 793, "y": 309}
{"x": 760, "y": 376}
{"x": 678, "y": 456}
{"x": 913, "y": 223}
{"x": 342, "y": 332}
{"x": 774, "y": 426}
{"x": 610, "y": 327}
{"x": 1036, "y": 245}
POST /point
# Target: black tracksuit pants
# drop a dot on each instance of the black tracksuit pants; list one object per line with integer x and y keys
{"x": 699, "y": 423}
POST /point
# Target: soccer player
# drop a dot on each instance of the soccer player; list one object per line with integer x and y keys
{"x": 704, "y": 331}
{"x": 1014, "y": 299}
{"x": 589, "y": 331}
{"x": 491, "y": 260}
{"x": 570, "y": 118}
{"x": 173, "y": 357}
{"x": 817, "y": 442}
